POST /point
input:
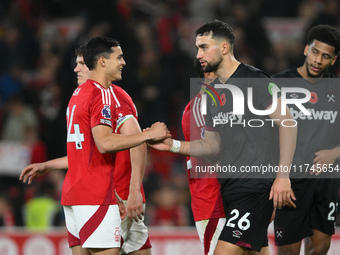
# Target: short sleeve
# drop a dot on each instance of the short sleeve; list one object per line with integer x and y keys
{"x": 125, "y": 108}
{"x": 263, "y": 89}
{"x": 209, "y": 122}
{"x": 102, "y": 112}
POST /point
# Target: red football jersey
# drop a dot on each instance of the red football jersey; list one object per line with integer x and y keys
{"x": 206, "y": 199}
{"x": 125, "y": 109}
{"x": 90, "y": 175}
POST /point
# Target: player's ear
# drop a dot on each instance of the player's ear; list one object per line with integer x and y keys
{"x": 225, "y": 47}
{"x": 306, "y": 50}
{"x": 102, "y": 61}
{"x": 334, "y": 59}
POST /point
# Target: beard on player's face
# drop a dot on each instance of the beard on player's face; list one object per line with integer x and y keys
{"x": 212, "y": 67}
{"x": 314, "y": 76}
{"x": 318, "y": 75}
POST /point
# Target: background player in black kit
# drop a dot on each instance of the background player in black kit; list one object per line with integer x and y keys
{"x": 246, "y": 201}
{"x": 317, "y": 146}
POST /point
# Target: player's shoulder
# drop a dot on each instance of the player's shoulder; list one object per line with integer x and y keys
{"x": 93, "y": 86}
{"x": 86, "y": 89}
{"x": 85, "y": 86}
{"x": 290, "y": 73}
{"x": 331, "y": 82}
{"x": 187, "y": 108}
{"x": 97, "y": 92}
{"x": 251, "y": 71}
{"x": 120, "y": 92}
{"x": 194, "y": 102}
{"x": 331, "y": 75}
{"x": 117, "y": 89}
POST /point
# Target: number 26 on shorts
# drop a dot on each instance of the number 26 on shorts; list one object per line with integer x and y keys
{"x": 243, "y": 222}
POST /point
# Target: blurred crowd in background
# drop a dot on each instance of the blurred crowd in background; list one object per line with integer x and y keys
{"x": 37, "y": 43}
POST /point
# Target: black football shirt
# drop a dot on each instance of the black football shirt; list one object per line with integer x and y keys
{"x": 321, "y": 129}
{"x": 245, "y": 138}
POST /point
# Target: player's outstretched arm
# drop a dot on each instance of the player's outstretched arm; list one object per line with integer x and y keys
{"x": 134, "y": 205}
{"x": 38, "y": 169}
{"x": 207, "y": 147}
{"x": 107, "y": 141}
{"x": 281, "y": 191}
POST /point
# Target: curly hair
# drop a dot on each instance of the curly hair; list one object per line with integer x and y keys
{"x": 326, "y": 34}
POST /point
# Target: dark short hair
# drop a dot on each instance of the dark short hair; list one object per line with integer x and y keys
{"x": 218, "y": 29}
{"x": 97, "y": 47}
{"x": 326, "y": 34}
{"x": 80, "y": 50}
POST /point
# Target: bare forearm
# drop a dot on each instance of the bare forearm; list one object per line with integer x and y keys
{"x": 107, "y": 141}
{"x": 287, "y": 148}
{"x": 123, "y": 142}
{"x": 336, "y": 151}
{"x": 38, "y": 169}
{"x": 287, "y": 138}
{"x": 196, "y": 148}
{"x": 117, "y": 142}
{"x": 207, "y": 147}
{"x": 58, "y": 163}
{"x": 138, "y": 162}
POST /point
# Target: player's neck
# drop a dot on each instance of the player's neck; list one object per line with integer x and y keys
{"x": 202, "y": 89}
{"x": 227, "y": 67}
{"x": 99, "y": 78}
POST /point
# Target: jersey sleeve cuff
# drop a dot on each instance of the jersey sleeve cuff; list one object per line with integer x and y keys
{"x": 121, "y": 121}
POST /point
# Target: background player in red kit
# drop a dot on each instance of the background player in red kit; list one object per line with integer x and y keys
{"x": 87, "y": 196}
{"x": 130, "y": 166}
{"x": 206, "y": 200}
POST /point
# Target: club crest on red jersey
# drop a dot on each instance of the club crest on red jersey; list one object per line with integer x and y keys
{"x": 106, "y": 112}
{"x": 202, "y": 132}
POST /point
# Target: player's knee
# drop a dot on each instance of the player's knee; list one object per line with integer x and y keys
{"x": 288, "y": 250}
{"x": 320, "y": 249}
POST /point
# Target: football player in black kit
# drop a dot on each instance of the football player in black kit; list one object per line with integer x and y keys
{"x": 317, "y": 149}
{"x": 246, "y": 200}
